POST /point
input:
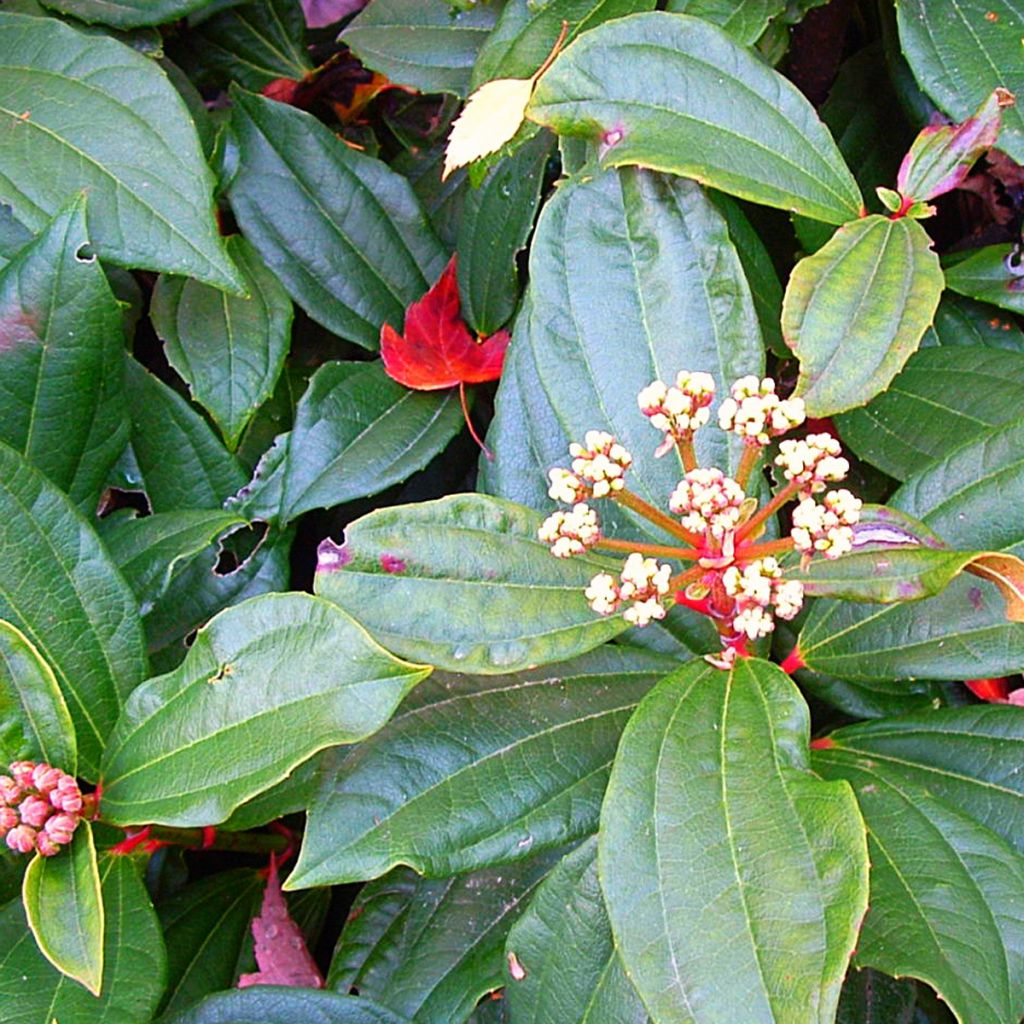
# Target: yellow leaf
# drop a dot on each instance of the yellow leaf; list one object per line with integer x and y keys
{"x": 491, "y": 117}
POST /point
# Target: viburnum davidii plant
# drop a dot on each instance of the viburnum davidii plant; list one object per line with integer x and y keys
{"x": 510, "y": 512}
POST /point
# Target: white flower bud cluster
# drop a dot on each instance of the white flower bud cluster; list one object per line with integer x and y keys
{"x": 566, "y": 487}
{"x": 756, "y": 413}
{"x": 643, "y": 582}
{"x": 681, "y": 408}
{"x": 708, "y": 500}
{"x": 601, "y": 462}
{"x": 813, "y": 461}
{"x": 756, "y": 586}
{"x": 570, "y": 533}
{"x": 826, "y": 528}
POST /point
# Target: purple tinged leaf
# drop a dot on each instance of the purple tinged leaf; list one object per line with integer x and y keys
{"x": 320, "y": 13}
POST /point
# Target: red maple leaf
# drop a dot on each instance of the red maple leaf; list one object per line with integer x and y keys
{"x": 437, "y": 349}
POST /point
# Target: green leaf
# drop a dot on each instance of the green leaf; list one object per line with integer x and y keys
{"x": 632, "y": 277}
{"x": 343, "y": 232}
{"x": 81, "y": 132}
{"x": 427, "y": 46}
{"x": 870, "y": 996}
{"x": 432, "y": 788}
{"x": 959, "y": 54}
{"x": 206, "y": 930}
{"x": 856, "y": 310}
{"x": 228, "y": 350}
{"x": 290, "y": 795}
{"x": 34, "y": 992}
{"x": 127, "y": 13}
{"x": 744, "y": 20}
{"x": 417, "y": 577}
{"x": 944, "y": 397}
{"x": 704, "y": 107}
{"x": 268, "y": 1004}
{"x": 985, "y": 275}
{"x": 430, "y": 949}
{"x": 59, "y": 587}
{"x": 356, "y": 432}
{"x": 568, "y": 970}
{"x": 64, "y": 908}
{"x": 945, "y": 897}
{"x": 497, "y": 219}
{"x": 182, "y": 462}
{"x": 526, "y": 33}
{"x": 35, "y": 724}
{"x": 722, "y": 855}
{"x": 962, "y": 321}
{"x": 193, "y": 745}
{"x": 150, "y": 550}
{"x": 62, "y": 401}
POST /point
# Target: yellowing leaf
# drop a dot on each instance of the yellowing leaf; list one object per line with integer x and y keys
{"x": 491, "y": 117}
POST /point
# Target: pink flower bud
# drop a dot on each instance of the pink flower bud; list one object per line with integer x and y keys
{"x": 10, "y": 791}
{"x": 34, "y": 810}
{"x": 45, "y": 778}
{"x": 8, "y": 819}
{"x": 22, "y": 772}
{"x": 46, "y": 846}
{"x": 67, "y": 796}
{"x": 61, "y": 827}
{"x": 22, "y": 839}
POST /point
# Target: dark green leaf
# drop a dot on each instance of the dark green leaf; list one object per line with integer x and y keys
{"x": 127, "y": 13}
{"x": 34, "y": 992}
{"x": 426, "y": 45}
{"x": 869, "y": 997}
{"x": 228, "y": 350}
{"x": 856, "y": 310}
{"x": 356, "y": 432}
{"x": 35, "y": 724}
{"x": 194, "y": 744}
{"x": 292, "y": 794}
{"x": 962, "y": 321}
{"x": 744, "y": 20}
{"x": 496, "y": 221}
{"x": 721, "y": 855}
{"x": 343, "y": 232}
{"x": 418, "y": 576}
{"x": 64, "y": 94}
{"x": 268, "y": 1004}
{"x": 447, "y": 785}
{"x": 960, "y": 50}
{"x": 567, "y": 968}
{"x": 62, "y": 401}
{"x": 59, "y": 587}
{"x": 985, "y": 275}
{"x": 704, "y": 107}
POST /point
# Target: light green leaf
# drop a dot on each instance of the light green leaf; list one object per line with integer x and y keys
{"x": 418, "y": 576}
{"x": 856, "y": 310}
{"x": 432, "y": 788}
{"x": 59, "y": 587}
{"x": 62, "y": 400}
{"x": 127, "y": 13}
{"x": 64, "y": 908}
{"x": 343, "y": 232}
{"x": 35, "y": 724}
{"x": 92, "y": 113}
{"x": 228, "y": 350}
{"x": 986, "y": 275}
{"x": 722, "y": 856}
{"x": 194, "y": 744}
{"x": 704, "y": 107}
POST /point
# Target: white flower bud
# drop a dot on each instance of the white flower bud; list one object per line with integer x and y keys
{"x": 708, "y": 500}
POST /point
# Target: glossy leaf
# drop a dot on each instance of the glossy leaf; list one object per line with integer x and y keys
{"x": 719, "y": 846}
{"x": 35, "y": 724}
{"x": 430, "y": 949}
{"x": 64, "y": 909}
{"x": 986, "y": 275}
{"x": 567, "y": 970}
{"x": 356, "y": 432}
{"x": 705, "y": 108}
{"x": 34, "y": 992}
{"x": 943, "y": 397}
{"x": 175, "y": 756}
{"x": 229, "y": 350}
{"x": 126, "y": 13}
{"x": 59, "y": 587}
{"x": 960, "y": 50}
{"x": 856, "y": 310}
{"x": 962, "y": 321}
{"x": 343, "y": 232}
{"x": 62, "y": 402}
{"x": 295, "y": 793}
{"x": 417, "y": 576}
{"x": 81, "y": 133}
{"x": 273, "y": 1005}
{"x": 744, "y": 20}
{"x": 427, "y": 46}
{"x": 449, "y": 785}
{"x": 945, "y": 897}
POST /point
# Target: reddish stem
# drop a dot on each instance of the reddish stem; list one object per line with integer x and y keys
{"x": 771, "y": 547}
{"x": 748, "y": 460}
{"x": 823, "y": 743}
{"x": 665, "y": 550}
{"x": 656, "y": 516}
{"x": 469, "y": 423}
{"x": 684, "y": 445}
{"x": 793, "y": 662}
{"x": 769, "y": 510}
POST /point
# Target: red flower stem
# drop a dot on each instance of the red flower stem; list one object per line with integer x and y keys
{"x": 748, "y": 460}
{"x": 772, "y": 547}
{"x": 769, "y": 510}
{"x": 204, "y": 839}
{"x": 656, "y": 516}
{"x": 664, "y": 550}
{"x": 687, "y": 453}
{"x": 683, "y": 579}
{"x": 793, "y": 662}
{"x": 469, "y": 423}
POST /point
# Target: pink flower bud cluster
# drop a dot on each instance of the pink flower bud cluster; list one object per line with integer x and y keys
{"x": 755, "y": 587}
{"x": 643, "y": 582}
{"x": 570, "y": 533}
{"x": 708, "y": 501}
{"x": 40, "y": 808}
{"x": 601, "y": 462}
{"x": 754, "y": 412}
